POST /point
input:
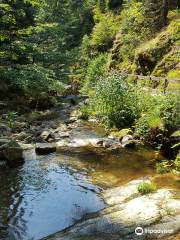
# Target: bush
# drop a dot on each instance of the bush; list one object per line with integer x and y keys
{"x": 169, "y": 112}
{"x": 95, "y": 69}
{"x": 163, "y": 167}
{"x": 159, "y": 116}
{"x": 177, "y": 163}
{"x": 145, "y": 188}
{"x": 116, "y": 101}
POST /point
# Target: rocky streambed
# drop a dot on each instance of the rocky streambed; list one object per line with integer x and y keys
{"x": 82, "y": 183}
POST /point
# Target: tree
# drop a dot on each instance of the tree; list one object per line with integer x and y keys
{"x": 21, "y": 49}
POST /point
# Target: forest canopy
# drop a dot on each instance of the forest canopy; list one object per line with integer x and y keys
{"x": 50, "y": 45}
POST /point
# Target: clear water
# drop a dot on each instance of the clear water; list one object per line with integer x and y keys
{"x": 48, "y": 194}
{"x": 43, "y": 197}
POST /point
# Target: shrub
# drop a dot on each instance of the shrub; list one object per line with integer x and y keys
{"x": 163, "y": 167}
{"x": 177, "y": 163}
{"x": 11, "y": 118}
{"x": 159, "y": 116}
{"x": 169, "y": 112}
{"x": 145, "y": 188}
{"x": 116, "y": 101}
{"x": 95, "y": 69}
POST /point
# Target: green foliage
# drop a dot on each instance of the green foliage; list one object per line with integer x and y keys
{"x": 169, "y": 112}
{"x": 177, "y": 163}
{"x": 163, "y": 167}
{"x": 159, "y": 116}
{"x": 39, "y": 41}
{"x": 31, "y": 80}
{"x": 149, "y": 125}
{"x": 115, "y": 101}
{"x": 84, "y": 113}
{"x": 95, "y": 69}
{"x": 105, "y": 30}
{"x": 11, "y": 117}
{"x": 145, "y": 188}
{"x": 166, "y": 166}
{"x": 134, "y": 28}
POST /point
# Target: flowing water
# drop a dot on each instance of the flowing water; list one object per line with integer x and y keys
{"x": 49, "y": 193}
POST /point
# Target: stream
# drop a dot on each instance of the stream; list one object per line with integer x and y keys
{"x": 50, "y": 193}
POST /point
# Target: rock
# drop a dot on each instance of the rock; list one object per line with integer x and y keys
{"x": 71, "y": 120}
{"x": 26, "y": 146}
{"x": 45, "y": 135}
{"x": 4, "y": 130}
{"x": 120, "y": 134}
{"x": 86, "y": 101}
{"x": 3, "y": 105}
{"x": 45, "y": 148}
{"x": 126, "y": 209}
{"x": 126, "y": 139}
{"x": 20, "y": 125}
{"x": 11, "y": 152}
{"x": 99, "y": 143}
{"x": 128, "y": 142}
{"x": 63, "y": 134}
{"x": 20, "y": 137}
{"x": 107, "y": 144}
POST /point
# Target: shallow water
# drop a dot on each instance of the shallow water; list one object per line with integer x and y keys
{"x": 48, "y": 194}
{"x": 43, "y": 197}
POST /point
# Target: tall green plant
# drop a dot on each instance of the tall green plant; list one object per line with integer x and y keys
{"x": 116, "y": 101}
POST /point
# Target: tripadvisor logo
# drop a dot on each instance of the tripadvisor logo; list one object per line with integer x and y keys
{"x": 139, "y": 231}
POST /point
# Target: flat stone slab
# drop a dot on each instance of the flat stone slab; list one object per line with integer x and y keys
{"x": 127, "y": 209}
{"x": 45, "y": 148}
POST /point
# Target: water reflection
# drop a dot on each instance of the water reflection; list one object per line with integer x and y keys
{"x": 43, "y": 197}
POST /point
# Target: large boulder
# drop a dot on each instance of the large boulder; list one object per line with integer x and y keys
{"x": 11, "y": 152}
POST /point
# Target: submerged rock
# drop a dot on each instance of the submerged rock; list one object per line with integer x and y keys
{"x": 126, "y": 211}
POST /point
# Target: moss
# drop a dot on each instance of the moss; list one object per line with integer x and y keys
{"x": 169, "y": 65}
{"x": 159, "y": 55}
{"x": 121, "y": 133}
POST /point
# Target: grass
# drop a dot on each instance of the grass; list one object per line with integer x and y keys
{"x": 145, "y": 188}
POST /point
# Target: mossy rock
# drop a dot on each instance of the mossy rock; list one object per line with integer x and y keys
{"x": 122, "y": 133}
{"x": 159, "y": 55}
